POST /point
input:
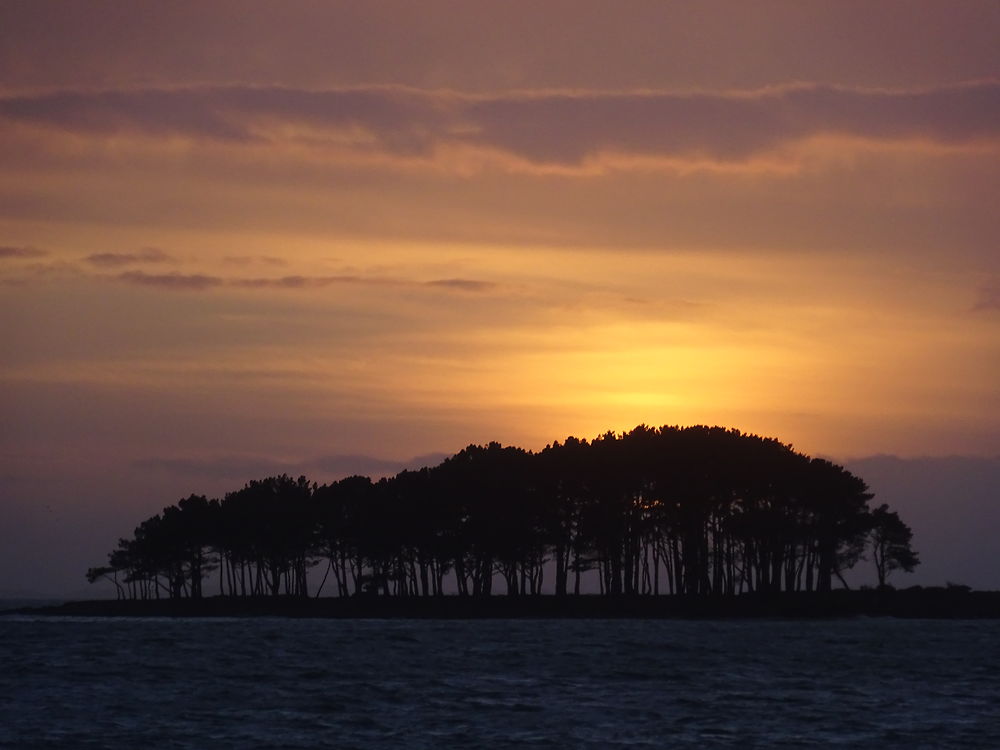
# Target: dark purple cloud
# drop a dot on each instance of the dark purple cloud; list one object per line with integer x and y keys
{"x": 989, "y": 296}
{"x": 548, "y": 128}
{"x": 236, "y": 113}
{"x": 199, "y": 282}
{"x": 465, "y": 285}
{"x": 320, "y": 282}
{"x": 6, "y": 251}
{"x": 144, "y": 255}
{"x": 300, "y": 282}
{"x": 173, "y": 281}
{"x": 566, "y": 128}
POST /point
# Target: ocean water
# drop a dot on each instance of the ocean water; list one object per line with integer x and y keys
{"x": 285, "y": 683}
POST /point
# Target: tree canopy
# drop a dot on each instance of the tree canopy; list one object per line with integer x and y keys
{"x": 890, "y": 542}
{"x": 696, "y": 511}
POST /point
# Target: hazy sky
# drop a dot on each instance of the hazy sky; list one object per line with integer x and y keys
{"x": 241, "y": 237}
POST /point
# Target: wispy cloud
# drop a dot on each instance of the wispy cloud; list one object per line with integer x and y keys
{"x": 465, "y": 285}
{"x": 989, "y": 296}
{"x": 303, "y": 282}
{"x": 7, "y": 251}
{"x": 173, "y": 281}
{"x": 246, "y": 260}
{"x": 144, "y": 255}
{"x": 201, "y": 282}
{"x": 559, "y": 128}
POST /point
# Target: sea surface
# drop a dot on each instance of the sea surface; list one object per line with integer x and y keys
{"x": 286, "y": 683}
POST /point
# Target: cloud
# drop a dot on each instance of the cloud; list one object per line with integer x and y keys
{"x": 301, "y": 282}
{"x": 320, "y": 468}
{"x": 321, "y": 282}
{"x": 550, "y": 128}
{"x": 989, "y": 296}
{"x": 245, "y": 260}
{"x": 6, "y": 251}
{"x": 199, "y": 282}
{"x": 465, "y": 285}
{"x": 145, "y": 255}
{"x": 41, "y": 272}
{"x": 177, "y": 281}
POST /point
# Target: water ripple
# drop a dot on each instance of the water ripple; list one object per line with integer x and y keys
{"x": 240, "y": 683}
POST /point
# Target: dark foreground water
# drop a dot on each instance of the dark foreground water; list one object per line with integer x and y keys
{"x": 280, "y": 683}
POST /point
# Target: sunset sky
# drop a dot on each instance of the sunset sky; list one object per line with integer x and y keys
{"x": 239, "y": 238}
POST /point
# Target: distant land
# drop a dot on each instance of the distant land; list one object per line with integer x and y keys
{"x": 951, "y": 602}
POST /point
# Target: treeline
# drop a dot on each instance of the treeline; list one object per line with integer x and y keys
{"x": 696, "y": 511}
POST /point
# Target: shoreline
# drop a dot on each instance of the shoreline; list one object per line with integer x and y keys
{"x": 916, "y": 602}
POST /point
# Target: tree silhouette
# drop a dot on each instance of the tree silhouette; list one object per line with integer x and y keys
{"x": 695, "y": 511}
{"x": 890, "y": 542}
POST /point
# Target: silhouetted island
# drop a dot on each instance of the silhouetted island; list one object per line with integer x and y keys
{"x": 951, "y": 602}
{"x": 660, "y": 520}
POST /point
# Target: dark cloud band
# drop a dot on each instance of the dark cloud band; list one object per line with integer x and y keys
{"x": 175, "y": 281}
{"x": 144, "y": 255}
{"x": 546, "y": 128}
{"x": 200, "y": 282}
{"x": 7, "y": 251}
